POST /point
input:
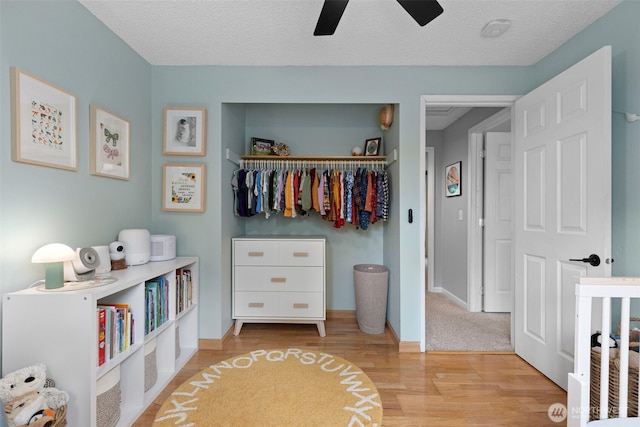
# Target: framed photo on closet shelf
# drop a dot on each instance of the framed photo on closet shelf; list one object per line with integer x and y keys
{"x": 261, "y": 146}
{"x": 372, "y": 147}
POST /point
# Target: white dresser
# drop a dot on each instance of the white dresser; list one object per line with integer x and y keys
{"x": 279, "y": 280}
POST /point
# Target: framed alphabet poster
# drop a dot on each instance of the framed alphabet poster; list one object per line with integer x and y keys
{"x": 43, "y": 118}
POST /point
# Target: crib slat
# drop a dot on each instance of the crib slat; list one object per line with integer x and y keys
{"x": 624, "y": 356}
{"x": 604, "y": 358}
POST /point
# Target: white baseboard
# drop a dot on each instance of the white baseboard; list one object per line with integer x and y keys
{"x": 452, "y": 297}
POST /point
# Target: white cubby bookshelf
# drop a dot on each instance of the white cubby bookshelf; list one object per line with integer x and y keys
{"x": 60, "y": 329}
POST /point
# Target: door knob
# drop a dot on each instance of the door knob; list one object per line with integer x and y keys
{"x": 593, "y": 259}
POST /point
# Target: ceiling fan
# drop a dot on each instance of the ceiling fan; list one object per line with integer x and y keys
{"x": 423, "y": 11}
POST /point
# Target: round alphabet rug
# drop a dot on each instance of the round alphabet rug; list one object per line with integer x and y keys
{"x": 285, "y": 387}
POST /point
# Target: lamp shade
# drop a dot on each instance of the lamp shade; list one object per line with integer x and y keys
{"x": 53, "y": 252}
{"x": 54, "y": 255}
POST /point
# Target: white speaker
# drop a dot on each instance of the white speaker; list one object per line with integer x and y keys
{"x": 83, "y": 267}
{"x": 163, "y": 247}
{"x": 136, "y": 245}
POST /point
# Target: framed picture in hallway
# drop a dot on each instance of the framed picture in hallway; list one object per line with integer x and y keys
{"x": 452, "y": 179}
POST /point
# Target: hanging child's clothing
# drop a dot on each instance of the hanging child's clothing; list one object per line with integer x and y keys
{"x": 338, "y": 195}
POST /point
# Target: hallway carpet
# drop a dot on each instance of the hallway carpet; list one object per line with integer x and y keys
{"x": 452, "y": 328}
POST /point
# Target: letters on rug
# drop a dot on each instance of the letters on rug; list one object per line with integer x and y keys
{"x": 275, "y": 388}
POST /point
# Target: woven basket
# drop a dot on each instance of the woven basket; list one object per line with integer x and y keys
{"x": 178, "y": 349}
{"x": 60, "y": 419}
{"x": 150, "y": 365}
{"x": 108, "y": 399}
{"x": 614, "y": 379}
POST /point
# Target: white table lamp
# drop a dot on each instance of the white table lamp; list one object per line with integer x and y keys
{"x": 54, "y": 255}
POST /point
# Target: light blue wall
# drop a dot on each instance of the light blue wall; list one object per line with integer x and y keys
{"x": 217, "y": 87}
{"x": 62, "y": 43}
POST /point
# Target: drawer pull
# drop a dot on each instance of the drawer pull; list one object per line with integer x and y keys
{"x": 301, "y": 254}
{"x": 256, "y": 253}
{"x": 256, "y": 304}
{"x": 278, "y": 279}
{"x": 300, "y": 305}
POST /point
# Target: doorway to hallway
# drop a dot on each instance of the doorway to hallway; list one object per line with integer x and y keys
{"x": 464, "y": 298}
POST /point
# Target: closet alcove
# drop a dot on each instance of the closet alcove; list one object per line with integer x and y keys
{"x": 318, "y": 130}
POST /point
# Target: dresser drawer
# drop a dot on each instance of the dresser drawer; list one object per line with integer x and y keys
{"x": 255, "y": 252}
{"x": 279, "y": 280}
{"x": 297, "y": 279}
{"x": 302, "y": 304}
{"x": 301, "y": 253}
{"x": 255, "y": 304}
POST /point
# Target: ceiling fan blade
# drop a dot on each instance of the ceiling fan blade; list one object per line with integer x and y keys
{"x": 423, "y": 11}
{"x": 330, "y": 15}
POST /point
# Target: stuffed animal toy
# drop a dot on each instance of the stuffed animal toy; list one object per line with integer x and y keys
{"x": 596, "y": 340}
{"x": 27, "y": 409}
{"x": 26, "y": 399}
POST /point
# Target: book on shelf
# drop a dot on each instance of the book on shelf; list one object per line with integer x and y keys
{"x": 156, "y": 303}
{"x": 102, "y": 335}
{"x": 184, "y": 289}
{"x": 118, "y": 327}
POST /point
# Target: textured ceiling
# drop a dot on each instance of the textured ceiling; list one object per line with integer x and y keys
{"x": 371, "y": 32}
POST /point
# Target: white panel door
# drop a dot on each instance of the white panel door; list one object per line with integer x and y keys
{"x": 563, "y": 206}
{"x": 498, "y": 231}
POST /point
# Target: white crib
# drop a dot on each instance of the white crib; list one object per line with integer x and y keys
{"x": 593, "y": 312}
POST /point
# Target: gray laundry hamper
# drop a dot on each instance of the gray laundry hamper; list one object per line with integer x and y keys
{"x": 371, "y": 283}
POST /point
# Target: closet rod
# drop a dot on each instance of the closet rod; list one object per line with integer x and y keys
{"x": 289, "y": 164}
{"x": 236, "y": 158}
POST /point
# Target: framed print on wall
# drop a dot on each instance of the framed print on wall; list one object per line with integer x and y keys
{"x": 183, "y": 187}
{"x": 184, "y": 131}
{"x": 452, "y": 179}
{"x": 108, "y": 144}
{"x": 44, "y": 123}
{"x": 372, "y": 147}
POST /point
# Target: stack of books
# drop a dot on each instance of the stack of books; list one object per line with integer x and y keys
{"x": 115, "y": 330}
{"x": 156, "y": 304}
{"x": 184, "y": 289}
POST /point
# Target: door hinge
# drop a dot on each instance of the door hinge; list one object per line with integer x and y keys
{"x": 481, "y": 222}
{"x": 483, "y": 154}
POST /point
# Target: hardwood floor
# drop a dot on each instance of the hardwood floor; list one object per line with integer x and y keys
{"x": 417, "y": 389}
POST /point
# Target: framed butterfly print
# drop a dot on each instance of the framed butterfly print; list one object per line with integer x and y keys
{"x": 185, "y": 130}
{"x": 109, "y": 144}
{"x": 44, "y": 123}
